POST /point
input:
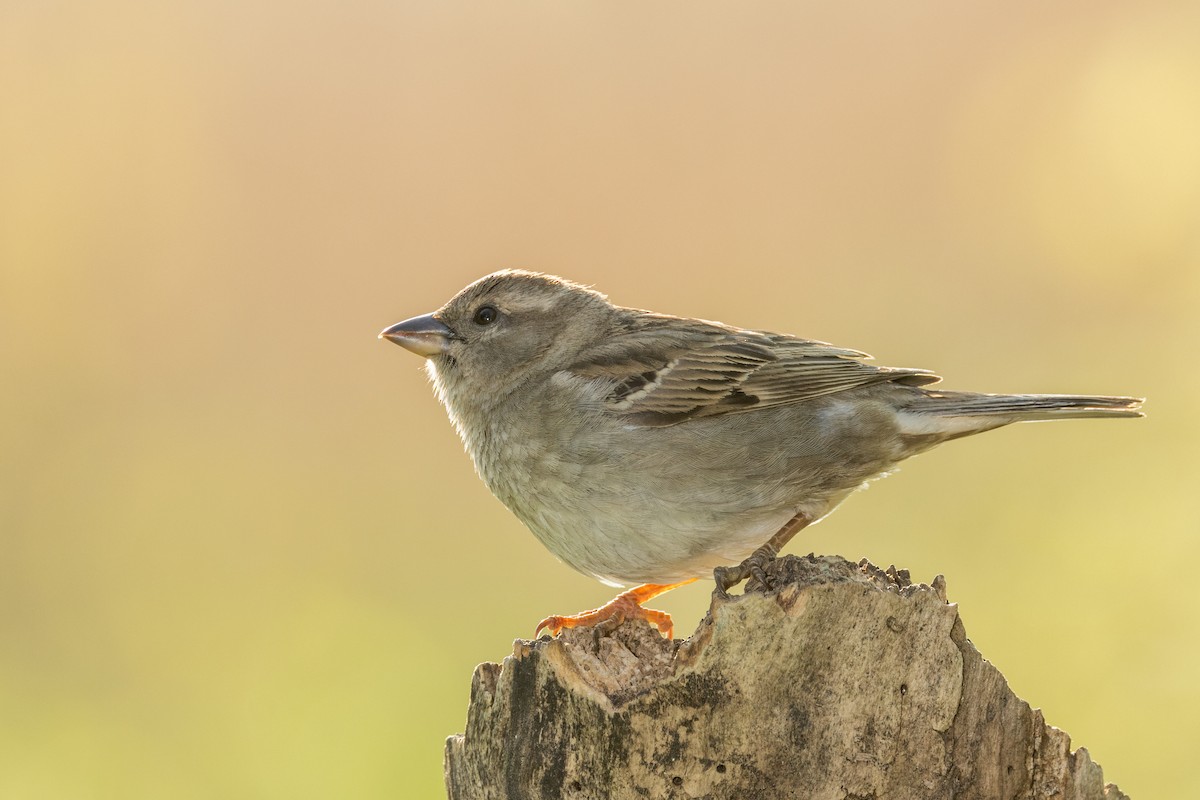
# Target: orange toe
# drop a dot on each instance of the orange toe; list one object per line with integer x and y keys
{"x": 621, "y": 608}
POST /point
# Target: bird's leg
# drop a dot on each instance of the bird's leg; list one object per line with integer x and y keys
{"x": 608, "y": 617}
{"x": 755, "y": 566}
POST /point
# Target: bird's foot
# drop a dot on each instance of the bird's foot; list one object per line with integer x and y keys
{"x": 610, "y": 616}
{"x": 753, "y": 568}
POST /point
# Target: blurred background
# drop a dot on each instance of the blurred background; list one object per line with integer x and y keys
{"x": 242, "y": 554}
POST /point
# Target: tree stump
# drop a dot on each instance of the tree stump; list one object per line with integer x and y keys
{"x": 838, "y": 680}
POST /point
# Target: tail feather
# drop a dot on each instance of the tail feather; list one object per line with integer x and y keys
{"x": 1021, "y": 407}
{"x": 938, "y": 416}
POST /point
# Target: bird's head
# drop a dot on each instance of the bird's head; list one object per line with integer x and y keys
{"x": 504, "y": 329}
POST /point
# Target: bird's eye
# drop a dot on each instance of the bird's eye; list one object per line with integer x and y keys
{"x": 486, "y": 315}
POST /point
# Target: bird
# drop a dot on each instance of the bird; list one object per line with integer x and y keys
{"x": 648, "y": 451}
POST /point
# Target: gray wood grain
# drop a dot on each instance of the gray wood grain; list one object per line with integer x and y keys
{"x": 842, "y": 682}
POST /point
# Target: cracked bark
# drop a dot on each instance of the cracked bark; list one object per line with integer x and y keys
{"x": 842, "y": 681}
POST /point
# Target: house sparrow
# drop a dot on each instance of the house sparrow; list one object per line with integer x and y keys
{"x": 650, "y": 450}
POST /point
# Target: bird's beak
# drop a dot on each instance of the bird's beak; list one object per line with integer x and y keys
{"x": 425, "y": 336}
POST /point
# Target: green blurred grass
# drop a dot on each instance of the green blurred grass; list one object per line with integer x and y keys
{"x": 243, "y": 553}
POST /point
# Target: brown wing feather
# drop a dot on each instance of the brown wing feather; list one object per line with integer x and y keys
{"x": 670, "y": 370}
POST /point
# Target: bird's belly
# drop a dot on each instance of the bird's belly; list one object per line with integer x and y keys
{"x": 628, "y": 528}
{"x": 638, "y": 505}
{"x": 623, "y": 549}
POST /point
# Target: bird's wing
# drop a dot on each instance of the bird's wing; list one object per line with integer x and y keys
{"x": 677, "y": 370}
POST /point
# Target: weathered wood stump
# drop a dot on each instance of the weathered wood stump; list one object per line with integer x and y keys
{"x": 840, "y": 681}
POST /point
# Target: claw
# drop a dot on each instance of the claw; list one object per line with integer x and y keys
{"x": 610, "y": 616}
{"x": 553, "y": 625}
{"x": 759, "y": 560}
{"x": 753, "y": 568}
{"x": 728, "y": 577}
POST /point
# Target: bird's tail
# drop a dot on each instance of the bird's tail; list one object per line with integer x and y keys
{"x": 1023, "y": 407}
{"x": 954, "y": 414}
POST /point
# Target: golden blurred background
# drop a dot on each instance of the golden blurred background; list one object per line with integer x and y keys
{"x": 241, "y": 552}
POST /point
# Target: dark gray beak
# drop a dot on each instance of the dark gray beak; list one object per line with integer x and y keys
{"x": 425, "y": 336}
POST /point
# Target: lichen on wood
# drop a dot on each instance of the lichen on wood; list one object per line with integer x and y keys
{"x": 839, "y": 681}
